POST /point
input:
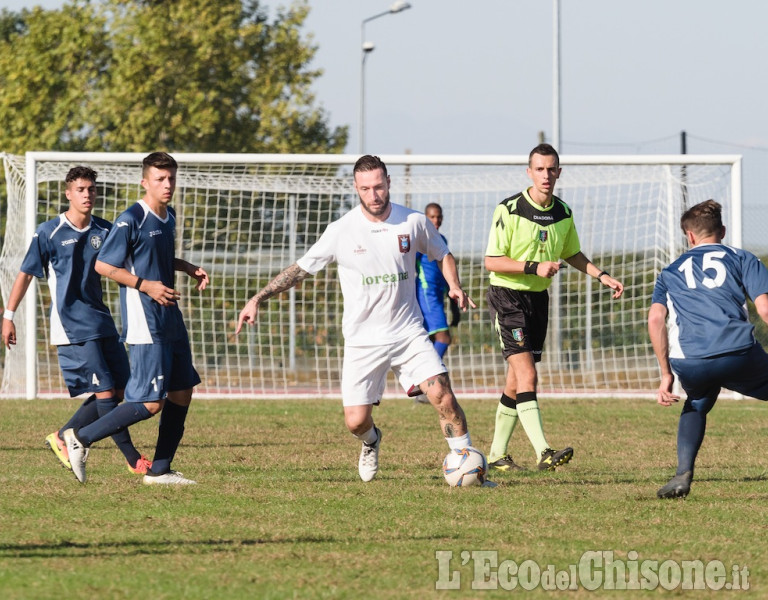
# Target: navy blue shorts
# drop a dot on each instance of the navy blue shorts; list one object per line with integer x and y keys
{"x": 744, "y": 372}
{"x": 157, "y": 369}
{"x": 94, "y": 366}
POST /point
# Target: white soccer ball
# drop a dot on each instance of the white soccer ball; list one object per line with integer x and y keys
{"x": 465, "y": 467}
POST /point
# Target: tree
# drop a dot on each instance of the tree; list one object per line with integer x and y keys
{"x": 50, "y": 62}
{"x": 181, "y": 75}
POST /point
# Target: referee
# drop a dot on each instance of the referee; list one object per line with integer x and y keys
{"x": 531, "y": 232}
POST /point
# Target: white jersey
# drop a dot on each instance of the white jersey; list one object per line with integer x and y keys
{"x": 377, "y": 271}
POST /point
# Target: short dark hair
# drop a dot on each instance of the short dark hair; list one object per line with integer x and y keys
{"x": 704, "y": 218}
{"x": 158, "y": 160}
{"x": 80, "y": 172}
{"x": 433, "y": 205}
{"x": 544, "y": 150}
{"x": 369, "y": 163}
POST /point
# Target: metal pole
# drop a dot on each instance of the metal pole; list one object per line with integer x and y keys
{"x": 397, "y": 7}
{"x": 30, "y": 299}
{"x": 361, "y": 124}
{"x": 684, "y": 171}
{"x": 556, "y": 77}
{"x": 292, "y": 233}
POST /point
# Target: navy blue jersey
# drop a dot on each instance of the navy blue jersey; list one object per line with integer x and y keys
{"x": 705, "y": 291}
{"x": 143, "y": 243}
{"x": 66, "y": 255}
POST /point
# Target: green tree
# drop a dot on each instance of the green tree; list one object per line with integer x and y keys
{"x": 50, "y": 62}
{"x": 181, "y": 75}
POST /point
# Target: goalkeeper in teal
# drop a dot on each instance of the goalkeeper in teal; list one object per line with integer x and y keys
{"x": 431, "y": 290}
{"x": 530, "y": 234}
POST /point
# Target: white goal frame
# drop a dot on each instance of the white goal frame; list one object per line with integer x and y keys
{"x": 400, "y": 167}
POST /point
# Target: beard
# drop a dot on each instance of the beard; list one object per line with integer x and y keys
{"x": 376, "y": 211}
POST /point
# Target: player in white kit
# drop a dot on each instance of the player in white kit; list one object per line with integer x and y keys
{"x": 375, "y": 247}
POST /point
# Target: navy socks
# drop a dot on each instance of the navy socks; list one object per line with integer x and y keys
{"x": 122, "y": 416}
{"x": 690, "y": 435}
{"x": 86, "y": 414}
{"x": 121, "y": 438}
{"x": 169, "y": 436}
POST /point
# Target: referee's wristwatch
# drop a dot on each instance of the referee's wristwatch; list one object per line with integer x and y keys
{"x": 601, "y": 274}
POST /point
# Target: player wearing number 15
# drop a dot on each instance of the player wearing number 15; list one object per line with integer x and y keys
{"x": 700, "y": 331}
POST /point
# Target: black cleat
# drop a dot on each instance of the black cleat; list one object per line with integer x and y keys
{"x": 505, "y": 463}
{"x": 677, "y": 487}
{"x": 554, "y": 458}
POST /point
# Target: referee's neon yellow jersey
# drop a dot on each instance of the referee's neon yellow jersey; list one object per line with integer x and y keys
{"x": 522, "y": 230}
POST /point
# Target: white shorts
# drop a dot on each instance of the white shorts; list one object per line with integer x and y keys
{"x": 364, "y": 375}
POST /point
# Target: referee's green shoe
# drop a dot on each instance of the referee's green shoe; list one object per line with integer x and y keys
{"x": 554, "y": 458}
{"x": 505, "y": 463}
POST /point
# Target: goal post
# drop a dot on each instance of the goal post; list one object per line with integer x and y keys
{"x": 245, "y": 217}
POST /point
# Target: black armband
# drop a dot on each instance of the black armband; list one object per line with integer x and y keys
{"x": 530, "y": 267}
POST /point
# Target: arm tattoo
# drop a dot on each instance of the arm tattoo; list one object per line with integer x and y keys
{"x": 285, "y": 280}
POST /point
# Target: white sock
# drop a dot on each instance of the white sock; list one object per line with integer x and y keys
{"x": 369, "y": 437}
{"x": 457, "y": 443}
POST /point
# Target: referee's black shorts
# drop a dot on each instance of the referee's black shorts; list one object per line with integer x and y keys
{"x": 520, "y": 319}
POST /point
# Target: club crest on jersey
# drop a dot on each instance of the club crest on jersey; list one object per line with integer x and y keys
{"x": 96, "y": 242}
{"x": 543, "y": 235}
{"x": 404, "y": 242}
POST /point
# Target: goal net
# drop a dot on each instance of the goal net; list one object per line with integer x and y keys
{"x": 245, "y": 217}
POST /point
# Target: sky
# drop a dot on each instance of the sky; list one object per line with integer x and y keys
{"x": 476, "y": 77}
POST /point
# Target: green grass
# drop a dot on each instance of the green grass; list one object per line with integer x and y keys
{"x": 280, "y": 511}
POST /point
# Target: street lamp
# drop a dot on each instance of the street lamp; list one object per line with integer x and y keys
{"x": 367, "y": 48}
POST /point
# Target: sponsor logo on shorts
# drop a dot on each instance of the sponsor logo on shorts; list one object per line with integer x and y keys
{"x": 518, "y": 336}
{"x": 404, "y": 243}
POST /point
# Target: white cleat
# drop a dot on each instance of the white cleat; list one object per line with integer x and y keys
{"x": 169, "y": 478}
{"x": 78, "y": 454}
{"x": 368, "y": 465}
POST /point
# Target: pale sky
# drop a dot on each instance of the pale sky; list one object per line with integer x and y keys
{"x": 476, "y": 77}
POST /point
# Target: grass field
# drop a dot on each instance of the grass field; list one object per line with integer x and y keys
{"x": 280, "y": 511}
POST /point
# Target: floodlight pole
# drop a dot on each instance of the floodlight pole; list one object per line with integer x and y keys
{"x": 367, "y": 48}
{"x": 556, "y": 76}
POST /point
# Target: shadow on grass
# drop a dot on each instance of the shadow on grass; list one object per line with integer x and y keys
{"x": 67, "y": 549}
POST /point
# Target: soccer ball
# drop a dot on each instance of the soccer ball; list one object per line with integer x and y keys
{"x": 465, "y": 467}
